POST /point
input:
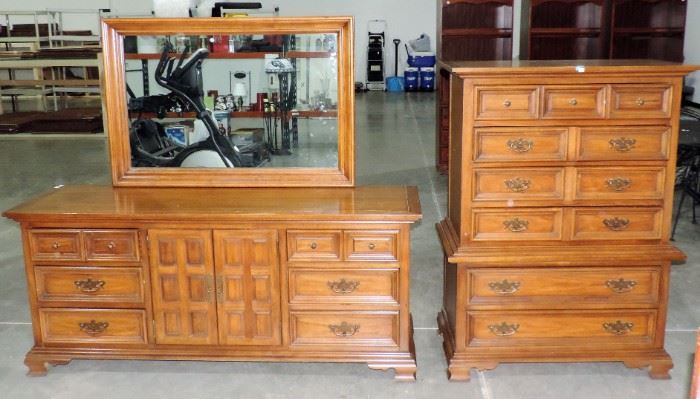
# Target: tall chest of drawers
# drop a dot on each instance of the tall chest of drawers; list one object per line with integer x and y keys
{"x": 560, "y": 193}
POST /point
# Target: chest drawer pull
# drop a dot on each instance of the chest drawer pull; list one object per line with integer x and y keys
{"x": 89, "y": 285}
{"x": 618, "y": 327}
{"x": 94, "y": 327}
{"x": 520, "y": 145}
{"x": 343, "y": 286}
{"x": 504, "y": 329}
{"x": 621, "y": 286}
{"x": 313, "y": 245}
{"x": 505, "y": 287}
{"x": 573, "y": 102}
{"x": 55, "y": 245}
{"x": 516, "y": 225}
{"x": 622, "y": 144}
{"x": 640, "y": 101}
{"x": 517, "y": 184}
{"x": 507, "y": 103}
{"x": 619, "y": 183}
{"x": 616, "y": 223}
{"x": 344, "y": 329}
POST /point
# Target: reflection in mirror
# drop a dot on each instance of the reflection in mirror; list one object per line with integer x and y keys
{"x": 215, "y": 101}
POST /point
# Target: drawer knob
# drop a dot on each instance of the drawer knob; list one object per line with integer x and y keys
{"x": 621, "y": 285}
{"x": 504, "y": 287}
{"x": 504, "y": 329}
{"x": 313, "y": 245}
{"x": 507, "y": 103}
{"x": 619, "y": 183}
{"x": 344, "y": 329}
{"x": 94, "y": 327}
{"x": 343, "y": 286}
{"x": 55, "y": 245}
{"x": 618, "y": 327}
{"x": 111, "y": 246}
{"x": 371, "y": 246}
{"x": 640, "y": 102}
{"x": 516, "y": 225}
{"x": 573, "y": 102}
{"x": 622, "y": 144}
{"x": 520, "y": 145}
{"x": 89, "y": 285}
{"x": 517, "y": 184}
{"x": 616, "y": 223}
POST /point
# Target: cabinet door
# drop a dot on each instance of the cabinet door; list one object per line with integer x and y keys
{"x": 248, "y": 286}
{"x": 182, "y": 270}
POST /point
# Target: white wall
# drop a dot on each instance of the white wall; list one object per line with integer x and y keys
{"x": 691, "y": 48}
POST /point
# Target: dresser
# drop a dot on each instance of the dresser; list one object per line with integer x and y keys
{"x": 267, "y": 274}
{"x": 556, "y": 239}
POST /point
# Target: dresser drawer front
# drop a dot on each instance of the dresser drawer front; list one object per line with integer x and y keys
{"x": 92, "y": 326}
{"x": 623, "y": 143}
{"x": 371, "y": 245}
{"x": 55, "y": 245}
{"x": 91, "y": 285}
{"x": 117, "y": 245}
{"x": 310, "y": 245}
{"x": 632, "y": 183}
{"x": 346, "y": 329}
{"x": 568, "y": 287}
{"x": 517, "y": 225}
{"x": 562, "y": 328}
{"x": 521, "y": 144}
{"x": 641, "y": 101}
{"x": 518, "y": 184}
{"x": 617, "y": 223}
{"x": 344, "y": 286}
{"x": 514, "y": 102}
{"x": 574, "y": 102}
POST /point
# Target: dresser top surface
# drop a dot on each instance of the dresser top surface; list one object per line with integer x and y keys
{"x": 566, "y": 67}
{"x": 383, "y": 203}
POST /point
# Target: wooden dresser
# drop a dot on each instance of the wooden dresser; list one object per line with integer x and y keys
{"x": 272, "y": 274}
{"x": 556, "y": 241}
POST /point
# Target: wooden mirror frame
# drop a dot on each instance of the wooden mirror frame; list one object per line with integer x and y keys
{"x": 117, "y": 119}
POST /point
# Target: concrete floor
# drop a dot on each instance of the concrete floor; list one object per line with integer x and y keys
{"x": 395, "y": 145}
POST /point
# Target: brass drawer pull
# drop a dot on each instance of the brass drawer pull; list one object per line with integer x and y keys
{"x": 621, "y": 286}
{"x": 93, "y": 327}
{"x": 622, "y": 144}
{"x": 55, "y": 245}
{"x": 618, "y": 327}
{"x": 111, "y": 246}
{"x": 89, "y": 285}
{"x": 504, "y": 329}
{"x": 371, "y": 246}
{"x": 619, "y": 183}
{"x": 616, "y": 223}
{"x": 520, "y": 145}
{"x": 517, "y": 184}
{"x": 344, "y": 329}
{"x": 507, "y": 103}
{"x": 313, "y": 245}
{"x": 640, "y": 102}
{"x": 343, "y": 286}
{"x": 573, "y": 102}
{"x": 516, "y": 225}
{"x": 505, "y": 287}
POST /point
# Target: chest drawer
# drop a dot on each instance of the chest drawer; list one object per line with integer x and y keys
{"x": 623, "y": 143}
{"x": 55, "y": 245}
{"x": 617, "y": 223}
{"x": 349, "y": 329}
{"x": 93, "y": 326}
{"x": 344, "y": 286}
{"x": 521, "y": 144}
{"x": 641, "y": 101}
{"x": 574, "y": 102}
{"x": 309, "y": 245}
{"x": 513, "y": 102}
{"x": 564, "y": 287}
{"x": 620, "y": 183}
{"x": 518, "y": 184}
{"x": 371, "y": 245}
{"x": 119, "y": 245}
{"x": 517, "y": 225}
{"x": 93, "y": 285}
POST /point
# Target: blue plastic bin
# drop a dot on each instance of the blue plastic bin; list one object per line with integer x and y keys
{"x": 411, "y": 79}
{"x": 418, "y": 59}
{"x": 427, "y": 79}
{"x": 394, "y": 84}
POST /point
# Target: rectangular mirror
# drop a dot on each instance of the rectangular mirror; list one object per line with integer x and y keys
{"x": 230, "y": 102}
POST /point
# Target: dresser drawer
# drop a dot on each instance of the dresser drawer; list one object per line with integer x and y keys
{"x": 118, "y": 245}
{"x": 630, "y": 183}
{"x": 347, "y": 329}
{"x": 511, "y": 102}
{"x": 93, "y": 326}
{"x": 617, "y": 223}
{"x": 561, "y": 328}
{"x": 55, "y": 245}
{"x": 309, "y": 245}
{"x": 564, "y": 287}
{"x": 517, "y": 224}
{"x": 521, "y": 144}
{"x": 92, "y": 285}
{"x": 518, "y": 184}
{"x": 344, "y": 286}
{"x": 623, "y": 143}
{"x": 574, "y": 102}
{"x": 371, "y": 245}
{"x": 640, "y": 101}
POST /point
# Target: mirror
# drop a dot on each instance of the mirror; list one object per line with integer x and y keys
{"x": 230, "y": 102}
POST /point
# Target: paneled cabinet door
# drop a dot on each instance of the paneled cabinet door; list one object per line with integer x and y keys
{"x": 182, "y": 271}
{"x": 247, "y": 276}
